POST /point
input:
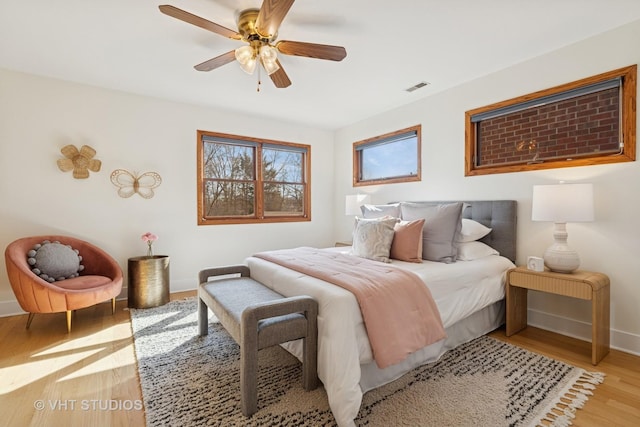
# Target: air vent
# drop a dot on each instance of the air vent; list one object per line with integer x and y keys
{"x": 417, "y": 86}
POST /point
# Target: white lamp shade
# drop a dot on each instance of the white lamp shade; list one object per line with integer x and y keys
{"x": 562, "y": 203}
{"x": 353, "y": 203}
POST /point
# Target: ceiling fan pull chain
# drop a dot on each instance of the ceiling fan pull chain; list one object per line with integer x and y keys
{"x": 258, "y": 89}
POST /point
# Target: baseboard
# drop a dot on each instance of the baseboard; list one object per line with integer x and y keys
{"x": 183, "y": 285}
{"x": 620, "y": 340}
{"x": 12, "y": 308}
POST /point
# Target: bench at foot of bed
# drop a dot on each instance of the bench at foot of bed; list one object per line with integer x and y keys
{"x": 257, "y": 317}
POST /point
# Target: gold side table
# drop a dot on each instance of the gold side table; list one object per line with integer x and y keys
{"x": 580, "y": 284}
{"x": 148, "y": 281}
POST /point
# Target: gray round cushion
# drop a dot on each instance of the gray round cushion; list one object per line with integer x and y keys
{"x": 53, "y": 261}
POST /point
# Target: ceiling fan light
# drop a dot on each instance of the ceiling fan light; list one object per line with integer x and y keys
{"x": 244, "y": 54}
{"x": 269, "y": 58}
{"x": 268, "y": 53}
{"x": 270, "y": 66}
{"x": 246, "y": 58}
{"x": 249, "y": 66}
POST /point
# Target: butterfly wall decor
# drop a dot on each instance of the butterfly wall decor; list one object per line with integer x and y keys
{"x": 131, "y": 183}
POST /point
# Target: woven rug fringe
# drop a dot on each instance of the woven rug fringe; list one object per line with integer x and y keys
{"x": 573, "y": 397}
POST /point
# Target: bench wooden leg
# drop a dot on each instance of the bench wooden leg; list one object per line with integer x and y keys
{"x": 203, "y": 318}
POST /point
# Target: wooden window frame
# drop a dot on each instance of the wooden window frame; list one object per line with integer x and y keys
{"x": 259, "y": 214}
{"x": 357, "y": 158}
{"x": 627, "y": 128}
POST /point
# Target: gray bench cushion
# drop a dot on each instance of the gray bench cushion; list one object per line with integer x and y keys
{"x": 232, "y": 296}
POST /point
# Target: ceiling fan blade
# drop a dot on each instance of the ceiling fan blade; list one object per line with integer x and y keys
{"x": 280, "y": 78}
{"x": 216, "y": 62}
{"x": 198, "y": 21}
{"x": 271, "y": 15}
{"x": 312, "y": 50}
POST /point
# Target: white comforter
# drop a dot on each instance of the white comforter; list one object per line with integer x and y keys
{"x": 459, "y": 290}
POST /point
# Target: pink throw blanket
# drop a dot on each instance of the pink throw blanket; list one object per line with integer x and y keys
{"x": 398, "y": 310}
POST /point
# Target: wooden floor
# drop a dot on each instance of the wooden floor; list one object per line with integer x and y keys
{"x": 89, "y": 377}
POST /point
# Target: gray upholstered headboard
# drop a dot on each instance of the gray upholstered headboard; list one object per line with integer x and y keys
{"x": 499, "y": 215}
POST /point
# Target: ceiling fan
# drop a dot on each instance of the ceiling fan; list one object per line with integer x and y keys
{"x": 258, "y": 28}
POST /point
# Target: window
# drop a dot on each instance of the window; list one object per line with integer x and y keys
{"x": 390, "y": 158}
{"x": 590, "y": 121}
{"x": 248, "y": 180}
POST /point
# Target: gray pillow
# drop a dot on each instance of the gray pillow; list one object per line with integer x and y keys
{"x": 372, "y": 238}
{"x": 379, "y": 211}
{"x": 441, "y": 229}
{"x": 53, "y": 261}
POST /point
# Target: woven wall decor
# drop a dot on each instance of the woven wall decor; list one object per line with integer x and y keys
{"x": 81, "y": 162}
{"x": 131, "y": 183}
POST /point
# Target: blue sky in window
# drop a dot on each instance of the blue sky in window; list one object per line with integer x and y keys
{"x": 288, "y": 164}
{"x": 394, "y": 159}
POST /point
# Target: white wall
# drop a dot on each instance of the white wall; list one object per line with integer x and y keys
{"x": 610, "y": 245}
{"x": 38, "y": 116}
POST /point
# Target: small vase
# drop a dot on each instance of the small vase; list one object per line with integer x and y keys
{"x": 149, "y": 249}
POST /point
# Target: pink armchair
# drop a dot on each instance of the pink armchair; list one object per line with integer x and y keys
{"x": 100, "y": 280}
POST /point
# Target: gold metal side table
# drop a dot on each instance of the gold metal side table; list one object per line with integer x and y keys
{"x": 148, "y": 281}
{"x": 586, "y": 285}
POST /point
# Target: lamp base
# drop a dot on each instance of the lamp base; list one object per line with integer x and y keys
{"x": 560, "y": 257}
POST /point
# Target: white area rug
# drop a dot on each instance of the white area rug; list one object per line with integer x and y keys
{"x": 189, "y": 380}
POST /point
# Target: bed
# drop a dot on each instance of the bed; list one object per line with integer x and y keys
{"x": 468, "y": 294}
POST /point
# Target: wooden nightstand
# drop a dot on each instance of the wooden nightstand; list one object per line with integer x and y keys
{"x": 579, "y": 284}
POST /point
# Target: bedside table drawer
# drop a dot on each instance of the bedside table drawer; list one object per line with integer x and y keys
{"x": 554, "y": 285}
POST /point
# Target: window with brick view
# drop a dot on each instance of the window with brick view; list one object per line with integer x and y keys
{"x": 591, "y": 121}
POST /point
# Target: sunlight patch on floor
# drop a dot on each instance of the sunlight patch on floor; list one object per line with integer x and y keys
{"x": 17, "y": 376}
{"x": 116, "y": 359}
{"x": 96, "y": 339}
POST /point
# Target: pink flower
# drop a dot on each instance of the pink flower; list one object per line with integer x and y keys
{"x": 149, "y": 237}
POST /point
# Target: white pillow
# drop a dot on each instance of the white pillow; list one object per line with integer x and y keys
{"x": 468, "y": 251}
{"x": 379, "y": 211}
{"x": 472, "y": 231}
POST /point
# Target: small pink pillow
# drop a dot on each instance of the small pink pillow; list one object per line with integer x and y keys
{"x": 407, "y": 241}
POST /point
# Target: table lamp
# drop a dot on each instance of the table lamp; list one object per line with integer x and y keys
{"x": 562, "y": 203}
{"x": 353, "y": 203}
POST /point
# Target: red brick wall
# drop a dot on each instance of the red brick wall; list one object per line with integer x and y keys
{"x": 580, "y": 126}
